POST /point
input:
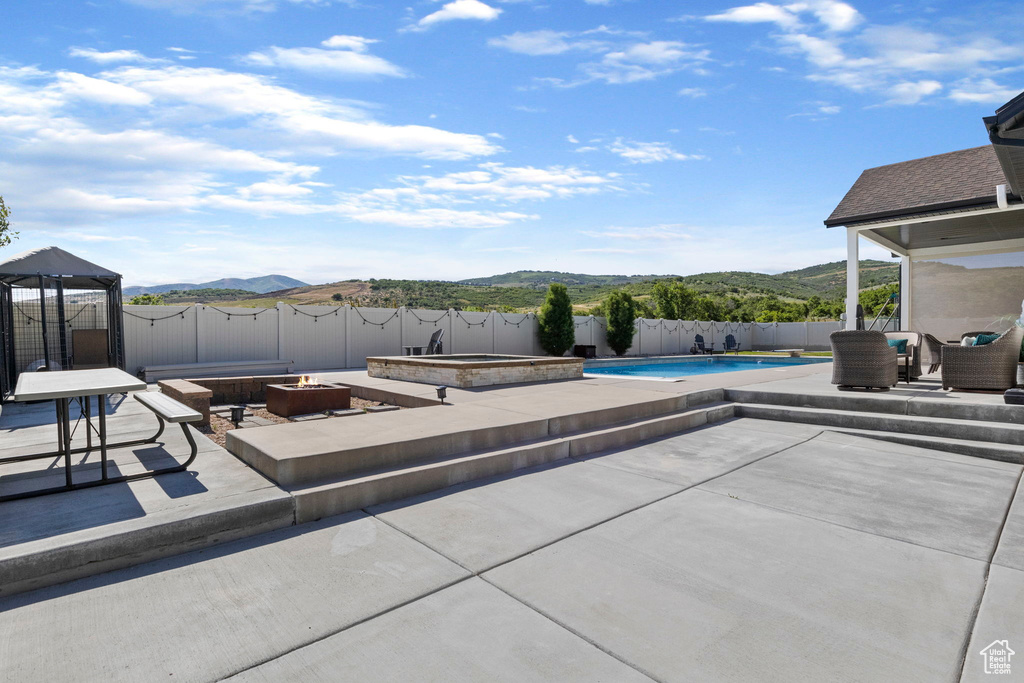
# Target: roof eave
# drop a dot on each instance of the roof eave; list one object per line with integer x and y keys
{"x": 978, "y": 202}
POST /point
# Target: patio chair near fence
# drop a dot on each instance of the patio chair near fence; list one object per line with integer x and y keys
{"x": 731, "y": 344}
{"x": 698, "y": 343}
{"x": 990, "y": 366}
{"x": 433, "y": 347}
{"x": 863, "y": 358}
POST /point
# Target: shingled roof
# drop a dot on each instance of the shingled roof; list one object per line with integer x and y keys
{"x": 944, "y": 181}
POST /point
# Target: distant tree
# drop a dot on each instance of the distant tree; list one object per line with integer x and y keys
{"x": 337, "y": 296}
{"x": 6, "y": 234}
{"x": 147, "y": 300}
{"x": 555, "y": 325}
{"x": 644, "y": 309}
{"x": 621, "y": 310}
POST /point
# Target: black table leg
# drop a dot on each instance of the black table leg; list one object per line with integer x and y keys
{"x": 102, "y": 401}
{"x": 65, "y": 412}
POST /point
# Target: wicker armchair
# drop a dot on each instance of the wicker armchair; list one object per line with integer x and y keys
{"x": 992, "y": 366}
{"x": 863, "y": 358}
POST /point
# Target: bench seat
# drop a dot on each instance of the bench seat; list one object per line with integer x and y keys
{"x": 166, "y": 408}
{"x": 235, "y": 368}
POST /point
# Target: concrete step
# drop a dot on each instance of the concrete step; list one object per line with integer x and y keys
{"x": 988, "y": 451}
{"x": 355, "y": 492}
{"x": 906, "y": 425}
{"x": 48, "y": 561}
{"x": 309, "y": 453}
{"x": 888, "y": 403}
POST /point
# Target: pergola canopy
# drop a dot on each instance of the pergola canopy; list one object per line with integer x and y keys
{"x": 53, "y": 262}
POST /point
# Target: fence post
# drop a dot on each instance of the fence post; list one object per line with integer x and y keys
{"x": 494, "y": 331}
{"x": 200, "y": 335}
{"x": 348, "y": 336}
{"x": 401, "y": 329}
{"x": 280, "y": 329}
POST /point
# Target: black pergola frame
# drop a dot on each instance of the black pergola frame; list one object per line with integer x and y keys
{"x": 56, "y": 347}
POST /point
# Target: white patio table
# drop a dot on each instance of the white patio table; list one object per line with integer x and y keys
{"x": 80, "y": 385}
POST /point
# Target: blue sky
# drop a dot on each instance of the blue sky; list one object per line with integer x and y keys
{"x": 186, "y": 140}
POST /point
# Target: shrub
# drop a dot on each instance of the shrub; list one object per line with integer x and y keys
{"x": 556, "y": 329}
{"x": 621, "y": 316}
{"x": 147, "y": 300}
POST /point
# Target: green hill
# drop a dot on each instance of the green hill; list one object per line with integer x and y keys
{"x": 525, "y": 290}
{"x": 542, "y": 278}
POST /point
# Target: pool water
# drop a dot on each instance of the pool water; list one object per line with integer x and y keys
{"x": 696, "y": 366}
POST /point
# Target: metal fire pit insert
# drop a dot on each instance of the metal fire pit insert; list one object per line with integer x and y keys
{"x": 288, "y": 400}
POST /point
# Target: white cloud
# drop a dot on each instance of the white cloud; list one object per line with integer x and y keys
{"x": 227, "y": 6}
{"x": 648, "y": 152}
{"x": 99, "y": 90}
{"x": 982, "y": 91}
{"x": 539, "y": 43}
{"x": 762, "y": 12}
{"x": 623, "y": 57}
{"x": 347, "y": 57}
{"x": 354, "y": 43}
{"x": 457, "y": 10}
{"x": 694, "y": 93}
{"x": 216, "y": 94}
{"x": 111, "y": 57}
{"x": 912, "y": 92}
{"x": 901, "y": 64}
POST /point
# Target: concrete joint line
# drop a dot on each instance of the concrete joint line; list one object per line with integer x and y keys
{"x": 576, "y": 633}
{"x": 313, "y": 641}
{"x": 984, "y": 588}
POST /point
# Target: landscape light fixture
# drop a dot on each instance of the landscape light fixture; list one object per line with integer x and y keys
{"x": 442, "y": 391}
{"x": 237, "y": 414}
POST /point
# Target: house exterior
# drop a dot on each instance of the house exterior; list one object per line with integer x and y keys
{"x": 956, "y": 221}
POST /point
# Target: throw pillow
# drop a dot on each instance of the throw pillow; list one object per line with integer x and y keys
{"x": 983, "y": 339}
{"x": 968, "y": 341}
{"x": 900, "y": 344}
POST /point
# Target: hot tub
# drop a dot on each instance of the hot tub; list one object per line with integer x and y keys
{"x": 473, "y": 369}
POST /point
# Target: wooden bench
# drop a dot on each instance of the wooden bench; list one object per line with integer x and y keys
{"x": 167, "y": 409}
{"x": 234, "y": 368}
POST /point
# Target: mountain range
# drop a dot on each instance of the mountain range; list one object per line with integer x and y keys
{"x": 260, "y": 285}
{"x": 525, "y": 290}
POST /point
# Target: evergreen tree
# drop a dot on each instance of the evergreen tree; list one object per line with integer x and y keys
{"x": 556, "y": 329}
{"x": 621, "y": 317}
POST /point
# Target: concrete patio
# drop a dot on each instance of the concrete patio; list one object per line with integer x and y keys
{"x": 864, "y": 528}
{"x": 725, "y": 553}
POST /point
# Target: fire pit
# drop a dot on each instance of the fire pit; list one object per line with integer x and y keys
{"x": 308, "y": 396}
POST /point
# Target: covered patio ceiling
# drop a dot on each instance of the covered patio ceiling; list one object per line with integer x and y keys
{"x": 973, "y": 230}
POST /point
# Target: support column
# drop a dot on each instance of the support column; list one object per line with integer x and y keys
{"x": 852, "y": 277}
{"x": 906, "y": 269}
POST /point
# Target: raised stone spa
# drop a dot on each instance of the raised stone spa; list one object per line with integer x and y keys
{"x": 474, "y": 370}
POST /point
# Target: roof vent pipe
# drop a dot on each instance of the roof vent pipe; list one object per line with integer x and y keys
{"x": 1001, "y": 196}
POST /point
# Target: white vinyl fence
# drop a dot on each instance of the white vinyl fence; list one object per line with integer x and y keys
{"x": 326, "y": 337}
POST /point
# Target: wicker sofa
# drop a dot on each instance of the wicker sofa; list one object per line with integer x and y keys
{"x": 863, "y": 358}
{"x": 991, "y": 366}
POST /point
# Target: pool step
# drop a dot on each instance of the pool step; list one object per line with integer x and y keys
{"x": 359, "y": 491}
{"x": 994, "y": 440}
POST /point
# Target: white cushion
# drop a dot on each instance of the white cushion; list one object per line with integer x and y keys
{"x": 967, "y": 341}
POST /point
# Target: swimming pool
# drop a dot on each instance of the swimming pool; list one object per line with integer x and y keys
{"x": 664, "y": 368}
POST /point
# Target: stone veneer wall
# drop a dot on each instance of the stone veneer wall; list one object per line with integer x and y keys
{"x": 200, "y": 394}
{"x": 242, "y": 389}
{"x": 475, "y": 377}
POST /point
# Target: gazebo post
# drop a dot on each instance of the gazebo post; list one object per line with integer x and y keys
{"x": 852, "y": 277}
